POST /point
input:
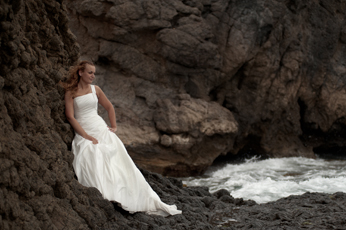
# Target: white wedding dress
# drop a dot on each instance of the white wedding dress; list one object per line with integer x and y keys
{"x": 107, "y": 165}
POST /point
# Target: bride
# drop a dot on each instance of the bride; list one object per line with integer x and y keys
{"x": 100, "y": 158}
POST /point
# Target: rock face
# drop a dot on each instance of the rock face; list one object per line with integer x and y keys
{"x": 37, "y": 185}
{"x": 192, "y": 80}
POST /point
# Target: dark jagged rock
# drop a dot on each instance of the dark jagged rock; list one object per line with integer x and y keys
{"x": 308, "y": 211}
{"x": 171, "y": 67}
{"x": 37, "y": 185}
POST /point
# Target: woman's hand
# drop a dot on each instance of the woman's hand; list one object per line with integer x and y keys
{"x": 90, "y": 138}
{"x": 112, "y": 129}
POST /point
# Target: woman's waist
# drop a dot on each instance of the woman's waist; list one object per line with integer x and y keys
{"x": 91, "y": 123}
{"x": 81, "y": 116}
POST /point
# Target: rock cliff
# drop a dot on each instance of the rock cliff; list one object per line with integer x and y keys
{"x": 37, "y": 185}
{"x": 193, "y": 80}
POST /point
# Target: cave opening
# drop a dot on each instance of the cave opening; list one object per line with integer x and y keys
{"x": 329, "y": 152}
{"x": 251, "y": 149}
{"x": 330, "y": 145}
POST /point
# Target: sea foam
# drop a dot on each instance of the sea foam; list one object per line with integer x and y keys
{"x": 269, "y": 180}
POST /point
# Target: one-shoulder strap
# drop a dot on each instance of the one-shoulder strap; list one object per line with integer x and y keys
{"x": 93, "y": 89}
{"x": 94, "y": 93}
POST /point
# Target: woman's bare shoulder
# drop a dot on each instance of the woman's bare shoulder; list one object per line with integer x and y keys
{"x": 98, "y": 89}
{"x": 68, "y": 95}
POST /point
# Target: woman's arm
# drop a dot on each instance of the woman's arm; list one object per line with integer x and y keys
{"x": 69, "y": 111}
{"x": 103, "y": 100}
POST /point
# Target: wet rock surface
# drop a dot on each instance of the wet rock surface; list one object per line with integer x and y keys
{"x": 308, "y": 211}
{"x": 194, "y": 80}
{"x": 222, "y": 211}
{"x": 202, "y": 210}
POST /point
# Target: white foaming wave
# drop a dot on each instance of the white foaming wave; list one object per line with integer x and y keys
{"x": 325, "y": 184}
{"x": 284, "y": 164}
{"x": 271, "y": 179}
{"x": 266, "y": 190}
{"x": 269, "y": 190}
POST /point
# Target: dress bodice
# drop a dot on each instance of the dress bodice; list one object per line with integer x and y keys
{"x": 85, "y": 105}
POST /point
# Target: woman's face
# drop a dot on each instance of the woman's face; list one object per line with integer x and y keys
{"x": 88, "y": 74}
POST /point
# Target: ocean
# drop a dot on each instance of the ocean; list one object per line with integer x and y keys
{"x": 271, "y": 179}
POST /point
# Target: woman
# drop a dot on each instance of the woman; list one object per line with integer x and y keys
{"x": 101, "y": 159}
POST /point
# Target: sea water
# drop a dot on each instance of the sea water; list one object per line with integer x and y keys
{"x": 269, "y": 180}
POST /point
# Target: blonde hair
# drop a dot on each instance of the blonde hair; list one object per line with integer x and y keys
{"x": 71, "y": 83}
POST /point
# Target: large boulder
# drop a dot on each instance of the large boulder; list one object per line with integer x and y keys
{"x": 171, "y": 67}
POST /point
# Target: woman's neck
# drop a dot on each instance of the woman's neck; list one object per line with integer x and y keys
{"x": 83, "y": 85}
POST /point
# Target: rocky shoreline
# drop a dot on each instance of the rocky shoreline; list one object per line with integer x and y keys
{"x": 202, "y": 210}
{"x": 281, "y": 89}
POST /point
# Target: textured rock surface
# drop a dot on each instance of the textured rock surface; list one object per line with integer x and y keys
{"x": 37, "y": 185}
{"x": 308, "y": 211}
{"x": 171, "y": 67}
